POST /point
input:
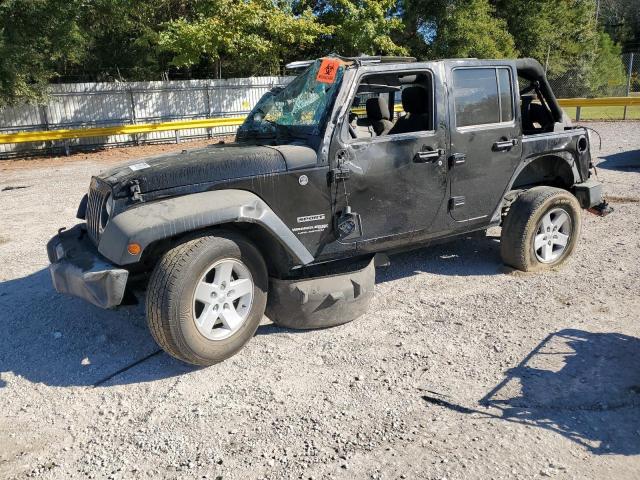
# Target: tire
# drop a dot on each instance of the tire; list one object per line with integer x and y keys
{"x": 207, "y": 267}
{"x": 539, "y": 216}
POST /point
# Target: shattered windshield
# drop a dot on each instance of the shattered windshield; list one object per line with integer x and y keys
{"x": 300, "y": 107}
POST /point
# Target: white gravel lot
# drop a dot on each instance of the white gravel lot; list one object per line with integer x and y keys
{"x": 462, "y": 369}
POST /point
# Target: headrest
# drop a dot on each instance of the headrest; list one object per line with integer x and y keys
{"x": 377, "y": 109}
{"x": 415, "y": 100}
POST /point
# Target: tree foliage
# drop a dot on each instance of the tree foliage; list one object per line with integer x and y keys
{"x": 37, "y": 38}
{"x": 46, "y": 40}
{"x": 460, "y": 28}
{"x": 255, "y": 33}
{"x": 358, "y": 27}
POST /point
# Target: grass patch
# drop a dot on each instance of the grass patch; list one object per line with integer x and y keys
{"x": 604, "y": 113}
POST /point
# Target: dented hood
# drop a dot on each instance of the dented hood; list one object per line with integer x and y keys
{"x": 192, "y": 167}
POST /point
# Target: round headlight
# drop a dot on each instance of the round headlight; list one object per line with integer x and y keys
{"x": 107, "y": 209}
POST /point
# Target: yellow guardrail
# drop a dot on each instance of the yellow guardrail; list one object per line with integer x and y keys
{"x": 48, "y": 135}
{"x": 599, "y": 102}
{"x": 51, "y": 135}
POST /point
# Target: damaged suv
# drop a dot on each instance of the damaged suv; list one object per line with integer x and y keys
{"x": 354, "y": 157}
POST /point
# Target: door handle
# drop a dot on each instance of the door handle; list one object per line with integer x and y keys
{"x": 505, "y": 144}
{"x": 425, "y": 156}
{"x": 457, "y": 159}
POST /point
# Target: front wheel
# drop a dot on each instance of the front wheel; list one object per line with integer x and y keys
{"x": 206, "y": 298}
{"x": 541, "y": 229}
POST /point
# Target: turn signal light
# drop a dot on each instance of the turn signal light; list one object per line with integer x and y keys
{"x": 134, "y": 249}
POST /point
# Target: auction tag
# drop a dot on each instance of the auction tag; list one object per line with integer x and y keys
{"x": 328, "y": 70}
{"x": 139, "y": 166}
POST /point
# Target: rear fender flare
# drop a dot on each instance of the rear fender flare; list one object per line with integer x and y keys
{"x": 565, "y": 157}
{"x": 150, "y": 222}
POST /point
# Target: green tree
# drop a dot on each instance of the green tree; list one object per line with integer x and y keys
{"x": 458, "y": 28}
{"x": 607, "y": 76}
{"x": 621, "y": 20}
{"x": 559, "y": 33}
{"x": 125, "y": 35}
{"x": 358, "y": 27}
{"x": 38, "y": 39}
{"x": 563, "y": 35}
{"x": 255, "y": 35}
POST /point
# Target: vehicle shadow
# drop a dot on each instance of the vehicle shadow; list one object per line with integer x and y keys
{"x": 63, "y": 341}
{"x": 60, "y": 340}
{"x": 474, "y": 255}
{"x": 584, "y": 386}
{"x": 623, "y": 161}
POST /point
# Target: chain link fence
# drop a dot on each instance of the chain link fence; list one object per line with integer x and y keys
{"x": 620, "y": 79}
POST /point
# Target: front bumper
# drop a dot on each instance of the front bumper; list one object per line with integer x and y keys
{"x": 78, "y": 269}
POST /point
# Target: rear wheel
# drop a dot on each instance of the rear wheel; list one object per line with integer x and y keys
{"x": 541, "y": 229}
{"x": 206, "y": 298}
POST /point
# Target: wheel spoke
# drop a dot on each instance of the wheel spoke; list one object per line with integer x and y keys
{"x": 239, "y": 288}
{"x": 223, "y": 273}
{"x": 203, "y": 292}
{"x": 547, "y": 251}
{"x": 560, "y": 220}
{"x": 232, "y": 283}
{"x": 560, "y": 239}
{"x": 547, "y": 224}
{"x": 539, "y": 241}
{"x": 230, "y": 317}
{"x": 207, "y": 318}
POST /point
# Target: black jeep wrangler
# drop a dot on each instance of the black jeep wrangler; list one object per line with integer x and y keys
{"x": 353, "y": 158}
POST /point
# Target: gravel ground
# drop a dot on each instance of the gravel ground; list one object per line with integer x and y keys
{"x": 461, "y": 369}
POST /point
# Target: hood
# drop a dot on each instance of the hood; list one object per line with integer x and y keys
{"x": 190, "y": 167}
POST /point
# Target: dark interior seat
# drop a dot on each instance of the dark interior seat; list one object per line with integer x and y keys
{"x": 532, "y": 114}
{"x": 415, "y": 101}
{"x": 378, "y": 115}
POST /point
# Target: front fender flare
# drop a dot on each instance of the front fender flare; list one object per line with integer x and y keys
{"x": 167, "y": 218}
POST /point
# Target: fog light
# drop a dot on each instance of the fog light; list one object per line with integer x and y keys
{"x": 134, "y": 249}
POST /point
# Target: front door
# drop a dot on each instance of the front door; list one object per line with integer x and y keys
{"x": 396, "y": 185}
{"x": 485, "y": 138}
{"x": 398, "y": 178}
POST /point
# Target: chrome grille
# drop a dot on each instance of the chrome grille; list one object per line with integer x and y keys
{"x": 98, "y": 193}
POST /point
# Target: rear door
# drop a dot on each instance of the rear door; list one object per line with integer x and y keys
{"x": 485, "y": 137}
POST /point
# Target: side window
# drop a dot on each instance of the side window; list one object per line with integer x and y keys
{"x": 482, "y": 96}
{"x": 392, "y": 103}
{"x": 506, "y": 95}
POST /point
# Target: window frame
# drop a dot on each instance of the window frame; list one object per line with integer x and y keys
{"x": 347, "y": 139}
{"x": 478, "y": 126}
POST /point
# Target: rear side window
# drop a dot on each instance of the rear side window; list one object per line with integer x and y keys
{"x": 482, "y": 96}
{"x": 506, "y": 95}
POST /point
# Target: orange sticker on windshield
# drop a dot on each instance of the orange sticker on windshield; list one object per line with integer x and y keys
{"x": 328, "y": 70}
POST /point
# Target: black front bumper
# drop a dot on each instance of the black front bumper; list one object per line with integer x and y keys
{"x": 78, "y": 269}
